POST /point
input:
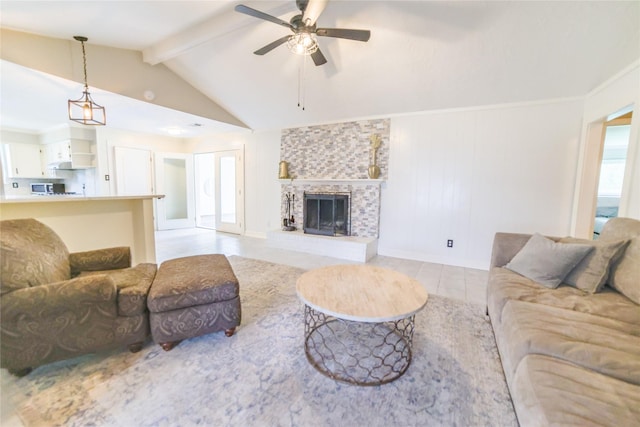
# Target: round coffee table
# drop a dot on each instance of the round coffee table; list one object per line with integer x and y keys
{"x": 359, "y": 321}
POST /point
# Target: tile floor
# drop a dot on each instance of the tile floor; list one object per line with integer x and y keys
{"x": 465, "y": 284}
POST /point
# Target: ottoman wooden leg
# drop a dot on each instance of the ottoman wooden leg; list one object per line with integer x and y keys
{"x": 166, "y": 346}
{"x": 135, "y": 347}
{"x": 20, "y": 372}
{"x": 230, "y": 331}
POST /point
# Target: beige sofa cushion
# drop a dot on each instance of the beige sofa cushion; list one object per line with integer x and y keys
{"x": 592, "y": 272}
{"x": 608, "y": 346}
{"x": 551, "y": 392}
{"x": 625, "y": 274}
{"x": 504, "y": 285}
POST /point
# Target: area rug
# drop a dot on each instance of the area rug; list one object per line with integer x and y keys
{"x": 261, "y": 377}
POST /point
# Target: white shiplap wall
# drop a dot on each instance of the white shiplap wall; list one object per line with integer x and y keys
{"x": 464, "y": 175}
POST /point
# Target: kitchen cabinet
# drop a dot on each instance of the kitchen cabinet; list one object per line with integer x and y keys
{"x": 77, "y": 152}
{"x": 22, "y": 160}
{"x": 57, "y": 152}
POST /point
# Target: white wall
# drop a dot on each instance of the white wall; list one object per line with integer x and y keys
{"x": 466, "y": 174}
{"x": 262, "y": 188}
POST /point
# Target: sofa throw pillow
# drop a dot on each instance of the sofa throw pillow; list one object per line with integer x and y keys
{"x": 624, "y": 273}
{"x": 592, "y": 272}
{"x": 547, "y": 262}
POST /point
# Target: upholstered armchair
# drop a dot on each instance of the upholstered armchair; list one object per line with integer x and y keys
{"x": 55, "y": 305}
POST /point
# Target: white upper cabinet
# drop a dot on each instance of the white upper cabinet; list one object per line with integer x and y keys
{"x": 22, "y": 160}
{"x": 74, "y": 153}
{"x": 57, "y": 152}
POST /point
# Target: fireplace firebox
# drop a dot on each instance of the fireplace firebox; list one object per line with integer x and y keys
{"x": 328, "y": 214}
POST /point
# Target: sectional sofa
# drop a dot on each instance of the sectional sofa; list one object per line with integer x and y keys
{"x": 571, "y": 353}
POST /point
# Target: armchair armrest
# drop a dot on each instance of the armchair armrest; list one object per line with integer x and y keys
{"x": 78, "y": 295}
{"x": 100, "y": 259}
{"x": 56, "y": 321}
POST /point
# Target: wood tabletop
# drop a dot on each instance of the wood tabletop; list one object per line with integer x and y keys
{"x": 362, "y": 293}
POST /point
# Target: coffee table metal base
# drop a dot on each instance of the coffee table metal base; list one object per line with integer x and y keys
{"x": 358, "y": 353}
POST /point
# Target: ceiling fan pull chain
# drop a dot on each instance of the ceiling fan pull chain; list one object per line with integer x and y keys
{"x": 304, "y": 79}
{"x": 299, "y": 82}
{"x": 302, "y": 72}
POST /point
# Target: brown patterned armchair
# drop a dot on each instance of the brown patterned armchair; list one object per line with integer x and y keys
{"x": 55, "y": 305}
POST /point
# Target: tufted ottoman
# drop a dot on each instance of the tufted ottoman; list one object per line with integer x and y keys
{"x": 193, "y": 296}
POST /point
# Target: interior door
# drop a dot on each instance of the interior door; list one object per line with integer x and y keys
{"x": 174, "y": 179}
{"x": 205, "y": 178}
{"x": 229, "y": 203}
{"x": 133, "y": 170}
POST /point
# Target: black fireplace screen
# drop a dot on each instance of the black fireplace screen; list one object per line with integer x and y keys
{"x": 327, "y": 214}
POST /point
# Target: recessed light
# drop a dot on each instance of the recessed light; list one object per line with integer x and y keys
{"x": 174, "y": 130}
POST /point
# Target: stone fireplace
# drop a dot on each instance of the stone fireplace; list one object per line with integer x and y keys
{"x": 333, "y": 159}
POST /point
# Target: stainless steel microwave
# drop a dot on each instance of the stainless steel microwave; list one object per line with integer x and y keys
{"x": 41, "y": 188}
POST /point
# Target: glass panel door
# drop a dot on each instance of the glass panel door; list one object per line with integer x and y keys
{"x": 205, "y": 190}
{"x": 229, "y": 197}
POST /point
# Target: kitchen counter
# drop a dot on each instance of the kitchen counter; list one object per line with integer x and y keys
{"x": 71, "y": 198}
{"x": 92, "y": 222}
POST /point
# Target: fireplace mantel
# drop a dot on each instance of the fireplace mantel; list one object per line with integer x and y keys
{"x": 342, "y": 181}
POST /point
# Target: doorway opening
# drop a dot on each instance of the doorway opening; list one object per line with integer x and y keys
{"x": 606, "y": 165}
{"x": 615, "y": 146}
{"x": 175, "y": 209}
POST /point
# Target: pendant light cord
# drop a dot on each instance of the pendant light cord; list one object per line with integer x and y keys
{"x": 84, "y": 66}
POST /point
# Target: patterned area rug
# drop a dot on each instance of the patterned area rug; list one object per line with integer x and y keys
{"x": 261, "y": 377}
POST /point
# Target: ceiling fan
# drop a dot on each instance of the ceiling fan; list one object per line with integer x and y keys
{"x": 303, "y": 41}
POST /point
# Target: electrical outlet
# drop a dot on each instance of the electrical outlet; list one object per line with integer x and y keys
{"x": 106, "y": 177}
{"x": 14, "y": 184}
{"x": 449, "y": 243}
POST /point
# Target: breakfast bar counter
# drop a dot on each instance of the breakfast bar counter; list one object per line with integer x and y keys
{"x": 92, "y": 222}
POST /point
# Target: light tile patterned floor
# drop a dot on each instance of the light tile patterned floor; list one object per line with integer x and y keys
{"x": 465, "y": 284}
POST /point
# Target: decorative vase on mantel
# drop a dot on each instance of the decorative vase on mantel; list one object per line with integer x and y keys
{"x": 374, "y": 170}
{"x": 283, "y": 170}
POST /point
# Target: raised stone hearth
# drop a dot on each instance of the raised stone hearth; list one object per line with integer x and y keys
{"x": 358, "y": 249}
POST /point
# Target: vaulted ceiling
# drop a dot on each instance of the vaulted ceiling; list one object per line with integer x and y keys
{"x": 422, "y": 55}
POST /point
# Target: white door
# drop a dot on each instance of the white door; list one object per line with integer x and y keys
{"x": 174, "y": 179}
{"x": 229, "y": 204}
{"x": 205, "y": 178}
{"x": 134, "y": 173}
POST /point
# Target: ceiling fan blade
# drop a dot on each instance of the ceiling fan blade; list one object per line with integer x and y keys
{"x": 261, "y": 15}
{"x": 313, "y": 10}
{"x": 318, "y": 58}
{"x": 272, "y": 45}
{"x": 343, "y": 33}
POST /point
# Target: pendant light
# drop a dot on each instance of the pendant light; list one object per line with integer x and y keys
{"x": 84, "y": 110}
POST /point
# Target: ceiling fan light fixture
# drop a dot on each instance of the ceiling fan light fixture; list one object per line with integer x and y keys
{"x": 303, "y": 43}
{"x": 85, "y": 110}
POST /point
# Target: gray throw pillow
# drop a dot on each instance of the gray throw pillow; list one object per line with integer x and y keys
{"x": 547, "y": 262}
{"x": 592, "y": 272}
